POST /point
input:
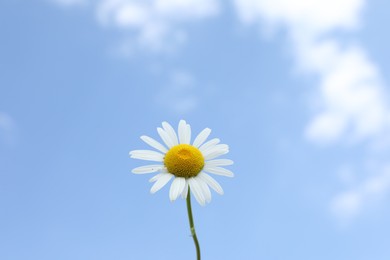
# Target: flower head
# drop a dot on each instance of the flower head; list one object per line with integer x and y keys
{"x": 188, "y": 164}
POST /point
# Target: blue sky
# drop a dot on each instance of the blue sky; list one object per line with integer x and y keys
{"x": 298, "y": 89}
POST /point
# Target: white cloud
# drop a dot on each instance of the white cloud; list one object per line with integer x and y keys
{"x": 350, "y": 88}
{"x": 350, "y": 203}
{"x": 326, "y": 127}
{"x": 154, "y": 25}
{"x": 351, "y": 104}
{"x": 352, "y": 98}
{"x": 302, "y": 16}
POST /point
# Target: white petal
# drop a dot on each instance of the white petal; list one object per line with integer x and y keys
{"x": 215, "y": 148}
{"x": 162, "y": 180}
{"x": 147, "y": 169}
{"x": 211, "y": 182}
{"x": 188, "y": 134}
{"x": 215, "y": 154}
{"x": 171, "y": 132}
{"x": 209, "y": 144}
{"x": 219, "y": 171}
{"x": 197, "y": 191}
{"x": 153, "y": 143}
{"x": 205, "y": 188}
{"x": 218, "y": 162}
{"x": 165, "y": 137}
{"x": 144, "y": 152}
{"x": 156, "y": 177}
{"x": 147, "y": 155}
{"x": 202, "y": 136}
{"x": 182, "y": 129}
{"x": 177, "y": 187}
{"x": 185, "y": 191}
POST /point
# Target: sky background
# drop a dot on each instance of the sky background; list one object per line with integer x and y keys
{"x": 299, "y": 90}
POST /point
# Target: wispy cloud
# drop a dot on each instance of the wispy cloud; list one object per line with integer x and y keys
{"x": 151, "y": 25}
{"x": 349, "y": 100}
{"x": 179, "y": 94}
{"x": 156, "y": 25}
{"x": 350, "y": 203}
{"x": 7, "y": 129}
{"x": 68, "y": 3}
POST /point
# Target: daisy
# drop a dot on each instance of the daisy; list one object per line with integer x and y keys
{"x": 188, "y": 164}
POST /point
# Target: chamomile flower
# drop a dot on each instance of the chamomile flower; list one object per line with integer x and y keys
{"x": 188, "y": 164}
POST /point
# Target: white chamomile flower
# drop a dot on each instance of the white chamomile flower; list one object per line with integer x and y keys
{"x": 187, "y": 164}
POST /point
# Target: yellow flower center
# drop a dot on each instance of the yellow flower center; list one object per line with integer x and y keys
{"x": 184, "y": 160}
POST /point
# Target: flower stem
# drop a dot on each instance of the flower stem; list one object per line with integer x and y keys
{"x": 190, "y": 218}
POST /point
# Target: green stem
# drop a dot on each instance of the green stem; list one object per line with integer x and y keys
{"x": 190, "y": 218}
